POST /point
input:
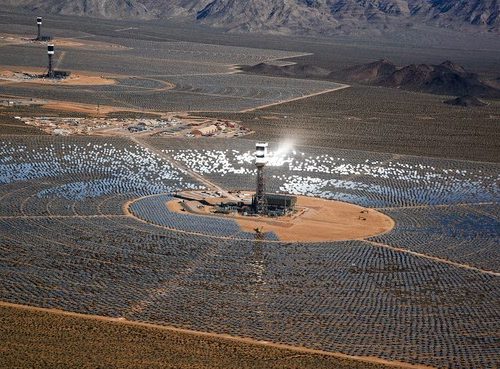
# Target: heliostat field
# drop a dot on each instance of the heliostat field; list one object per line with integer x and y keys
{"x": 132, "y": 203}
{"x": 162, "y": 75}
{"x": 420, "y": 294}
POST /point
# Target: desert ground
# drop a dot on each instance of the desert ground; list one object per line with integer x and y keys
{"x": 316, "y": 220}
{"x": 65, "y": 340}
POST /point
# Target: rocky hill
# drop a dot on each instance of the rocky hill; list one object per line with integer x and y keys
{"x": 289, "y": 16}
{"x": 446, "y": 78}
{"x": 371, "y": 73}
{"x": 466, "y": 101}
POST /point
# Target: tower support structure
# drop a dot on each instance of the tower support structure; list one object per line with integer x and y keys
{"x": 260, "y": 203}
{"x": 260, "y": 194}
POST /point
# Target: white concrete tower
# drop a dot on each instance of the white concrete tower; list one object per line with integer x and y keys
{"x": 50, "y": 52}
{"x": 260, "y": 202}
{"x": 39, "y": 25}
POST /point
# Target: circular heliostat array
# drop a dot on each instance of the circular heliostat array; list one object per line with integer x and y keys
{"x": 314, "y": 220}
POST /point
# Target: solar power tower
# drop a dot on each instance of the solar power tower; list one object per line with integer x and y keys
{"x": 50, "y": 52}
{"x": 260, "y": 163}
{"x": 39, "y": 25}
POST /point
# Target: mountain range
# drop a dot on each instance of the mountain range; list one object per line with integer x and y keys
{"x": 309, "y": 17}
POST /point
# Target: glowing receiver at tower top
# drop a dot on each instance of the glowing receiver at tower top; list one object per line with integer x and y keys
{"x": 261, "y": 154}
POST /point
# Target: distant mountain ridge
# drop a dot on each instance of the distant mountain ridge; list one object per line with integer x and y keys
{"x": 89, "y": 8}
{"x": 288, "y": 16}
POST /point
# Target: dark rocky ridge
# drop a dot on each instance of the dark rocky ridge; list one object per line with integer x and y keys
{"x": 495, "y": 83}
{"x": 446, "y": 78}
{"x": 443, "y": 79}
{"x": 371, "y": 73}
{"x": 466, "y": 101}
{"x": 289, "y": 16}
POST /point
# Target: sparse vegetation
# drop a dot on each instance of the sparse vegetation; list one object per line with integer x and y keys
{"x": 59, "y": 341}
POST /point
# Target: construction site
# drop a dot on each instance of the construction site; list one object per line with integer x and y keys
{"x": 167, "y": 125}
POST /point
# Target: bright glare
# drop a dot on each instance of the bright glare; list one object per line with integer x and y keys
{"x": 280, "y": 156}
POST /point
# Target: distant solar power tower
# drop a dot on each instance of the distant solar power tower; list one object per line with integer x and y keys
{"x": 39, "y": 36}
{"x": 50, "y": 52}
{"x": 260, "y": 200}
{"x": 39, "y": 25}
